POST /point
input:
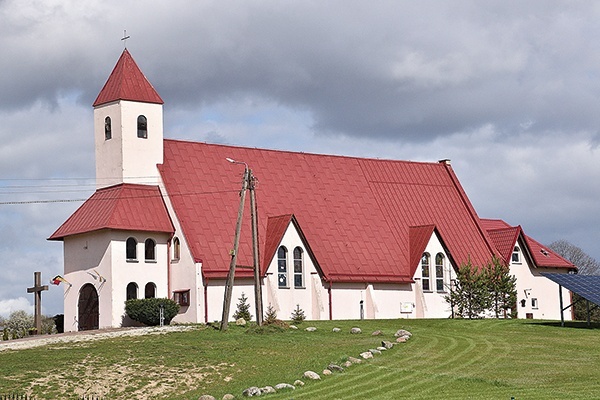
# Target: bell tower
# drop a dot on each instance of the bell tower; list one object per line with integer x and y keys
{"x": 128, "y": 127}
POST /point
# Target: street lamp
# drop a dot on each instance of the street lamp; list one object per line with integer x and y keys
{"x": 247, "y": 183}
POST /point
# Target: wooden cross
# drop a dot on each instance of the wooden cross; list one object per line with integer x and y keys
{"x": 125, "y": 37}
{"x": 37, "y": 289}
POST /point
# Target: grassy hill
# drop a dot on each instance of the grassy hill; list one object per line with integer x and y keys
{"x": 445, "y": 359}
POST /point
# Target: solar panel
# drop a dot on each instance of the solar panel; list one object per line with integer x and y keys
{"x": 587, "y": 286}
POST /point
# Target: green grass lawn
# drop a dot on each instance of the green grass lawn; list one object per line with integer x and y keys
{"x": 445, "y": 359}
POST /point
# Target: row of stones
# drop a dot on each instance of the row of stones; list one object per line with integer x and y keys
{"x": 401, "y": 337}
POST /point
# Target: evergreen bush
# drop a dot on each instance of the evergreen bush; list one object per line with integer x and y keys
{"x": 147, "y": 311}
{"x": 298, "y": 315}
{"x": 243, "y": 309}
{"x": 271, "y": 315}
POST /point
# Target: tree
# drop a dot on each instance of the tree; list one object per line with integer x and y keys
{"x": 469, "y": 296}
{"x": 271, "y": 315}
{"x": 502, "y": 288}
{"x": 298, "y": 315}
{"x": 585, "y": 264}
{"x": 243, "y": 309}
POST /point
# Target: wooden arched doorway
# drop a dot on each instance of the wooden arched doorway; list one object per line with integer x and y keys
{"x": 88, "y": 308}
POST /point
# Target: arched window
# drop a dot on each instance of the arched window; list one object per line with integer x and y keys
{"x": 176, "y": 248}
{"x": 150, "y": 290}
{"x": 142, "y": 127}
{"x": 282, "y": 277}
{"x": 516, "y": 255}
{"x": 131, "y": 249}
{"x": 150, "y": 250}
{"x": 132, "y": 291}
{"x": 107, "y": 128}
{"x": 425, "y": 276}
{"x": 298, "y": 268}
{"x": 439, "y": 272}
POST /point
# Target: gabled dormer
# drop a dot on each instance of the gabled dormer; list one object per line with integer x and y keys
{"x": 128, "y": 127}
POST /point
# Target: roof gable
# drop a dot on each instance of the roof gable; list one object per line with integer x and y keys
{"x": 355, "y": 213}
{"x": 127, "y": 82}
{"x": 123, "y": 207}
{"x": 505, "y": 238}
{"x": 419, "y": 237}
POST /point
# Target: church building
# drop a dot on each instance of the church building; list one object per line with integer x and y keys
{"x": 340, "y": 237}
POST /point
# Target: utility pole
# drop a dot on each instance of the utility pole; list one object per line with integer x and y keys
{"x": 255, "y": 253}
{"x": 234, "y": 252}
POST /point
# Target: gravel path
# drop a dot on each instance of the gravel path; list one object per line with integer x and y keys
{"x": 72, "y": 337}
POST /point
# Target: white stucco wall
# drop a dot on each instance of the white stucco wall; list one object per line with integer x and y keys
{"x": 431, "y": 303}
{"x": 312, "y": 296}
{"x": 538, "y": 293}
{"x": 125, "y": 157}
{"x": 103, "y": 253}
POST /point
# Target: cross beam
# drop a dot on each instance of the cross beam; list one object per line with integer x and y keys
{"x": 37, "y": 289}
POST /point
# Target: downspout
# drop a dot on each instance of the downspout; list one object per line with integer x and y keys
{"x": 206, "y": 301}
{"x": 169, "y": 269}
{"x": 330, "y": 302}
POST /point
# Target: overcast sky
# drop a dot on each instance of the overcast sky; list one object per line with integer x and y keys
{"x": 508, "y": 90}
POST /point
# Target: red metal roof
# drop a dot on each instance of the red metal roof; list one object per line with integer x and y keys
{"x": 355, "y": 213}
{"x": 125, "y": 207}
{"x": 505, "y": 237}
{"x": 127, "y": 82}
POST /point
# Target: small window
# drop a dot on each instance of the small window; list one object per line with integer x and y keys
{"x": 142, "y": 127}
{"x": 107, "y": 128}
{"x": 132, "y": 291}
{"x": 182, "y": 297}
{"x": 150, "y": 250}
{"x": 516, "y": 255}
{"x": 282, "y": 279}
{"x": 439, "y": 272}
{"x": 425, "y": 277}
{"x": 298, "y": 268}
{"x": 131, "y": 249}
{"x": 150, "y": 290}
{"x": 176, "y": 249}
{"x": 534, "y": 303}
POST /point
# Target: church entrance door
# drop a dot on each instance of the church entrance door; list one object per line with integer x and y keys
{"x": 88, "y": 308}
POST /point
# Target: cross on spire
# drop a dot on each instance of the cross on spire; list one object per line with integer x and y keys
{"x": 37, "y": 289}
{"x": 125, "y": 37}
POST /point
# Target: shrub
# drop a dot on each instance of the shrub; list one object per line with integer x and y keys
{"x": 19, "y": 324}
{"x": 243, "y": 309}
{"x": 298, "y": 315}
{"x": 271, "y": 315}
{"x": 147, "y": 311}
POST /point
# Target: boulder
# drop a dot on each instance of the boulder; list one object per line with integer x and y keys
{"x": 348, "y": 364}
{"x": 336, "y": 330}
{"x": 335, "y": 367}
{"x": 401, "y": 339}
{"x": 285, "y": 386}
{"x": 354, "y": 360}
{"x": 377, "y": 333}
{"x": 228, "y": 396}
{"x": 251, "y": 392}
{"x": 310, "y": 329}
{"x": 240, "y": 322}
{"x": 355, "y": 330}
{"x": 267, "y": 390}
{"x": 374, "y": 351}
{"x": 206, "y": 397}
{"x": 311, "y": 375}
{"x": 402, "y": 332}
{"x": 298, "y": 382}
{"x": 366, "y": 355}
{"x": 327, "y": 372}
{"x": 387, "y": 344}
{"x": 293, "y": 327}
{"x": 381, "y": 348}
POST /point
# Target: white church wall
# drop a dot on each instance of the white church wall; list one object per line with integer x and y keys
{"x": 537, "y": 296}
{"x": 430, "y": 302}
{"x": 215, "y": 291}
{"x": 140, "y": 271}
{"x": 87, "y": 258}
{"x": 126, "y": 157}
{"x": 311, "y": 296}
